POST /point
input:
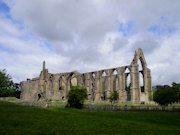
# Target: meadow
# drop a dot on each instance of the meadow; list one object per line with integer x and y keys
{"x": 34, "y": 120}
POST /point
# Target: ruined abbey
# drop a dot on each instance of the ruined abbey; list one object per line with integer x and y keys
{"x": 99, "y": 84}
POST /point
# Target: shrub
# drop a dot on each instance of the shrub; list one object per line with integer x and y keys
{"x": 76, "y": 96}
{"x": 114, "y": 96}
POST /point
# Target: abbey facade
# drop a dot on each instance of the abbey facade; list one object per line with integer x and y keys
{"x": 99, "y": 84}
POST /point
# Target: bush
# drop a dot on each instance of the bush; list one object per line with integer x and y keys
{"x": 114, "y": 96}
{"x": 165, "y": 96}
{"x": 76, "y": 96}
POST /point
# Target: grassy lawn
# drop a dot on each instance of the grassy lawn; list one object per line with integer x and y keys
{"x": 101, "y": 104}
{"x": 34, "y": 120}
{"x": 128, "y": 104}
{"x": 57, "y": 102}
{"x": 118, "y": 104}
{"x": 174, "y": 105}
{"x": 4, "y": 101}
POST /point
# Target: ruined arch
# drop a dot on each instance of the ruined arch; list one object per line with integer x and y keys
{"x": 114, "y": 79}
{"x": 139, "y": 56}
{"x": 51, "y": 77}
{"x": 60, "y": 82}
{"x": 141, "y": 96}
{"x": 127, "y": 83}
{"x": 62, "y": 87}
{"x": 73, "y": 79}
{"x": 141, "y": 75}
{"x": 127, "y": 74}
{"x": 103, "y": 85}
{"x": 126, "y": 71}
{"x": 93, "y": 85}
{"x": 84, "y": 80}
{"x": 97, "y": 83}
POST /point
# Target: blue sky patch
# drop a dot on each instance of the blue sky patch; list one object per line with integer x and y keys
{"x": 172, "y": 29}
{"x": 126, "y": 29}
{"x": 3, "y": 7}
{"x": 6, "y": 49}
{"x": 5, "y": 10}
{"x": 163, "y": 18}
{"x": 158, "y": 30}
{"x": 48, "y": 45}
{"x": 154, "y": 29}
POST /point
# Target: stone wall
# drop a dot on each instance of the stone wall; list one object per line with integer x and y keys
{"x": 99, "y": 84}
{"x": 9, "y": 98}
{"x": 97, "y": 108}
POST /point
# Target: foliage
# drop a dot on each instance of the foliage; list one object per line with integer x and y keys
{"x": 114, "y": 96}
{"x": 76, "y": 96}
{"x": 153, "y": 91}
{"x": 176, "y": 87}
{"x": 6, "y": 84}
{"x": 129, "y": 87}
{"x": 151, "y": 95}
{"x": 17, "y": 120}
{"x": 165, "y": 96}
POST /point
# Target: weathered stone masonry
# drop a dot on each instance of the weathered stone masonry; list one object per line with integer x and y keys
{"x": 99, "y": 84}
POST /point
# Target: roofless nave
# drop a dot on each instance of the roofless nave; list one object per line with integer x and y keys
{"x": 99, "y": 84}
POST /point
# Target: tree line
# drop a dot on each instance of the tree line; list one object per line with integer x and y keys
{"x": 7, "y": 87}
{"x": 165, "y": 95}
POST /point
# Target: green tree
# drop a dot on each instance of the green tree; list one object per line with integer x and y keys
{"x": 6, "y": 84}
{"x": 113, "y": 97}
{"x": 165, "y": 96}
{"x": 176, "y": 87}
{"x": 76, "y": 96}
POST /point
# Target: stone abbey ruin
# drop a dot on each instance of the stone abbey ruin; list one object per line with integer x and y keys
{"x": 99, "y": 84}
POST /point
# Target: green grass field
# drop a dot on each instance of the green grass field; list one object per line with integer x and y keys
{"x": 25, "y": 120}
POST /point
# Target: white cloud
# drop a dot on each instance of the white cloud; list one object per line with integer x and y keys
{"x": 90, "y": 35}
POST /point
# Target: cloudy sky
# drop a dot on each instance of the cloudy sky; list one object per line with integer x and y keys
{"x": 89, "y": 35}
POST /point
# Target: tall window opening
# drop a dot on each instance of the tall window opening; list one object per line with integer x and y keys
{"x": 128, "y": 79}
{"x": 93, "y": 85}
{"x": 104, "y": 86}
{"x": 115, "y": 80}
{"x": 70, "y": 77}
{"x": 141, "y": 77}
{"x": 103, "y": 74}
{"x": 128, "y": 84}
{"x": 84, "y": 80}
{"x": 60, "y": 83}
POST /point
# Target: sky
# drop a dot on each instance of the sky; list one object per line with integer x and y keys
{"x": 89, "y": 35}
